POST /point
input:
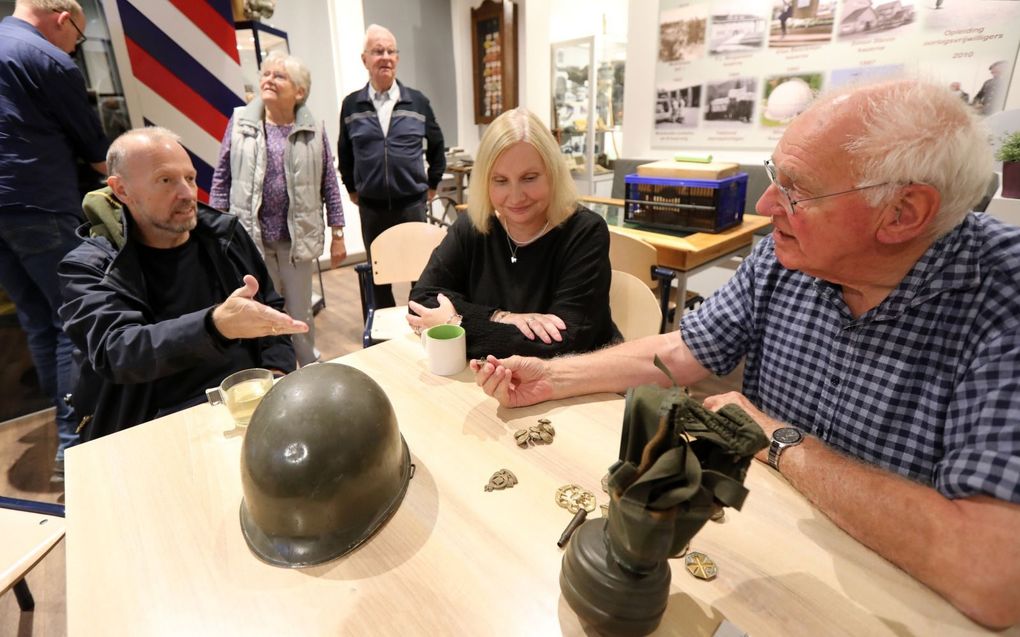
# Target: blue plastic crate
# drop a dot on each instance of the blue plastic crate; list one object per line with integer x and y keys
{"x": 701, "y": 205}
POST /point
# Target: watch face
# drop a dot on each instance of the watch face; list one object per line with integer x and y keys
{"x": 787, "y": 435}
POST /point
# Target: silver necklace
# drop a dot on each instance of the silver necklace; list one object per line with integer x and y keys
{"x": 514, "y": 244}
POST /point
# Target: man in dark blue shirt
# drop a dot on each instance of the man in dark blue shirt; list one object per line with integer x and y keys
{"x": 45, "y": 123}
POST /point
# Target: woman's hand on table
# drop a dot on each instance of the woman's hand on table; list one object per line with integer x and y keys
{"x": 516, "y": 381}
{"x": 426, "y": 317}
{"x": 546, "y": 327}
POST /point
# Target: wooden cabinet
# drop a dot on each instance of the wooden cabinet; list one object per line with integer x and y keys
{"x": 494, "y": 53}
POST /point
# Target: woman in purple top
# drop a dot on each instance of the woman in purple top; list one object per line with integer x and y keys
{"x": 275, "y": 172}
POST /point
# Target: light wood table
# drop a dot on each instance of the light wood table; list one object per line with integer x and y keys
{"x": 154, "y": 545}
{"x": 26, "y": 539}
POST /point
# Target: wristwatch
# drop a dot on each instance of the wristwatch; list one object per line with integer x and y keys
{"x": 783, "y": 438}
{"x": 338, "y": 233}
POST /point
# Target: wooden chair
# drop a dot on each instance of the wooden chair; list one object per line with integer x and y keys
{"x": 399, "y": 254}
{"x": 442, "y": 211}
{"x": 635, "y": 310}
{"x": 26, "y": 541}
{"x": 638, "y": 258}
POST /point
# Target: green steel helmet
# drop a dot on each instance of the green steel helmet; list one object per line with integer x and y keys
{"x": 323, "y": 466}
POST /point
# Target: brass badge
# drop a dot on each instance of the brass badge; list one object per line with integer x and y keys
{"x": 543, "y": 433}
{"x": 573, "y": 497}
{"x": 701, "y": 566}
{"x": 502, "y": 479}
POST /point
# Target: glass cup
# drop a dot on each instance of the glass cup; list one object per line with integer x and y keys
{"x": 242, "y": 392}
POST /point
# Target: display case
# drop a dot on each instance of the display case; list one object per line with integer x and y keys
{"x": 255, "y": 41}
{"x": 494, "y": 54}
{"x": 587, "y": 102}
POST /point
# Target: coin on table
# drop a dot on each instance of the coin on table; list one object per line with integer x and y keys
{"x": 700, "y": 565}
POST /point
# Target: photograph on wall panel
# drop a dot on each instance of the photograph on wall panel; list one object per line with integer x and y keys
{"x": 716, "y": 87}
{"x": 885, "y": 18}
{"x": 730, "y": 103}
{"x": 801, "y": 23}
{"x": 677, "y": 108}
{"x": 737, "y": 26}
{"x": 786, "y": 96}
{"x": 955, "y": 16}
{"x": 681, "y": 31}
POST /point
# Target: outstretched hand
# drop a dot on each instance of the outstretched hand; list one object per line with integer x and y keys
{"x": 241, "y": 316}
{"x": 516, "y": 381}
{"x": 426, "y": 317}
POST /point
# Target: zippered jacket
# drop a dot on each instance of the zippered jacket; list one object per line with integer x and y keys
{"x": 386, "y": 171}
{"x": 107, "y": 315}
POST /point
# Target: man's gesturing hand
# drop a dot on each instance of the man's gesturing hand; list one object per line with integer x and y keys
{"x": 240, "y": 316}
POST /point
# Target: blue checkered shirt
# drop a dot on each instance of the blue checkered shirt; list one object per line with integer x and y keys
{"x": 926, "y": 385}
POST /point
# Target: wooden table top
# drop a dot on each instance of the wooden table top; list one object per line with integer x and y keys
{"x": 154, "y": 545}
{"x": 26, "y": 539}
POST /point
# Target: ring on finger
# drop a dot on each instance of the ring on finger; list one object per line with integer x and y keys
{"x": 529, "y": 320}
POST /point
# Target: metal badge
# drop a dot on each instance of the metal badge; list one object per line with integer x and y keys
{"x": 574, "y": 497}
{"x": 701, "y": 566}
{"x": 543, "y": 432}
{"x": 502, "y": 479}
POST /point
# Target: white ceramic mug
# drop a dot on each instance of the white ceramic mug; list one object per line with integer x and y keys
{"x": 446, "y": 349}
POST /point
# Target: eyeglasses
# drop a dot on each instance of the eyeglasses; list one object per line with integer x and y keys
{"x": 81, "y": 36}
{"x": 789, "y": 203}
{"x": 381, "y": 52}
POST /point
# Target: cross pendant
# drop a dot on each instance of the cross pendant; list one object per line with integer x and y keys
{"x": 513, "y": 259}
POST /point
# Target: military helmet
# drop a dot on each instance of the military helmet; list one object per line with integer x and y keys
{"x": 323, "y": 465}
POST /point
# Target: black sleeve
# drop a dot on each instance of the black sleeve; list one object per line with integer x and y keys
{"x": 579, "y": 289}
{"x": 112, "y": 330}
{"x": 345, "y": 149}
{"x": 435, "y": 154}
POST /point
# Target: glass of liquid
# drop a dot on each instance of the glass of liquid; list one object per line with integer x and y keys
{"x": 241, "y": 393}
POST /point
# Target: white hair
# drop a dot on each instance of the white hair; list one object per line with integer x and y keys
{"x": 295, "y": 68}
{"x": 375, "y": 31}
{"x": 917, "y": 131}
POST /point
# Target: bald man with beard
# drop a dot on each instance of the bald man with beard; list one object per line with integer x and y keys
{"x": 165, "y": 297}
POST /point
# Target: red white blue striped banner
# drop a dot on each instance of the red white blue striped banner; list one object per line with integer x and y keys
{"x": 180, "y": 69}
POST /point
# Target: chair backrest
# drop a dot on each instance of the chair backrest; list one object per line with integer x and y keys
{"x": 635, "y": 309}
{"x": 401, "y": 253}
{"x": 442, "y": 211}
{"x": 633, "y": 256}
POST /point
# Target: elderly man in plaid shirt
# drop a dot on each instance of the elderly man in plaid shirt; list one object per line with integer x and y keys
{"x": 880, "y": 328}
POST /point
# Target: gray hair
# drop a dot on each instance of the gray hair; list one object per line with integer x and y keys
{"x": 52, "y": 5}
{"x": 374, "y": 31}
{"x": 295, "y": 68}
{"x": 916, "y": 131}
{"x": 117, "y": 156}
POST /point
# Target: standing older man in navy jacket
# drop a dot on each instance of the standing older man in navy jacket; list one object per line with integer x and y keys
{"x": 381, "y": 130}
{"x": 45, "y": 122}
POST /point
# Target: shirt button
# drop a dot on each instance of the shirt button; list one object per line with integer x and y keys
{"x": 834, "y": 381}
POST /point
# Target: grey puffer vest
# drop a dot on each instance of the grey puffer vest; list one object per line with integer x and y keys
{"x": 302, "y": 162}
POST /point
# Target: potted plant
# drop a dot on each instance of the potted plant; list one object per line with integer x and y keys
{"x": 1009, "y": 155}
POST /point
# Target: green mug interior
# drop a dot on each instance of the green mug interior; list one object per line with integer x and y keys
{"x": 445, "y": 332}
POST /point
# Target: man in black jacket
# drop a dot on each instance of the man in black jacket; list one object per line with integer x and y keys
{"x": 381, "y": 130}
{"x": 165, "y": 297}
